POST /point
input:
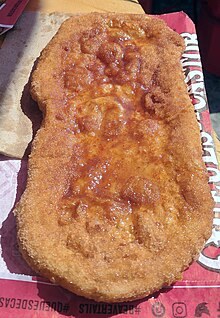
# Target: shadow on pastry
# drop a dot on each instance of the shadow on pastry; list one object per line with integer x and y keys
{"x": 10, "y": 253}
{"x": 31, "y": 110}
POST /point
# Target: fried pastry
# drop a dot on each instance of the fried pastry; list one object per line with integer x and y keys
{"x": 117, "y": 202}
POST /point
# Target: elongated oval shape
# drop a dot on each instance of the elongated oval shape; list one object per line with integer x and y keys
{"x": 117, "y": 203}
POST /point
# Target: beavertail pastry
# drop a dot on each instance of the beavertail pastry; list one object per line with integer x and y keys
{"x": 117, "y": 202}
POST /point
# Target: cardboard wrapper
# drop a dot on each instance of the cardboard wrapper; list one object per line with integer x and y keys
{"x": 23, "y": 294}
{"x": 18, "y": 113}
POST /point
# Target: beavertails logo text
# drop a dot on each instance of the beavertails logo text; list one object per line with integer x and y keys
{"x": 209, "y": 257}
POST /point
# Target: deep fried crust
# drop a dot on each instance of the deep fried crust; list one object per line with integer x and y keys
{"x": 117, "y": 203}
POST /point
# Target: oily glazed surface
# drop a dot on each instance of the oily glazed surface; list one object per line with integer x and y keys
{"x": 117, "y": 202}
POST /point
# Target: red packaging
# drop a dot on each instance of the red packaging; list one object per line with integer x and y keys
{"x": 10, "y": 10}
{"x": 23, "y": 295}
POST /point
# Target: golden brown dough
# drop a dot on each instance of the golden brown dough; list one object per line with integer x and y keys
{"x": 117, "y": 203}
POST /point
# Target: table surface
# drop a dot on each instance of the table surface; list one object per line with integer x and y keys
{"x": 74, "y": 6}
{"x": 124, "y": 6}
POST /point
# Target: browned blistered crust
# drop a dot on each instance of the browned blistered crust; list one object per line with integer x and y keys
{"x": 117, "y": 203}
